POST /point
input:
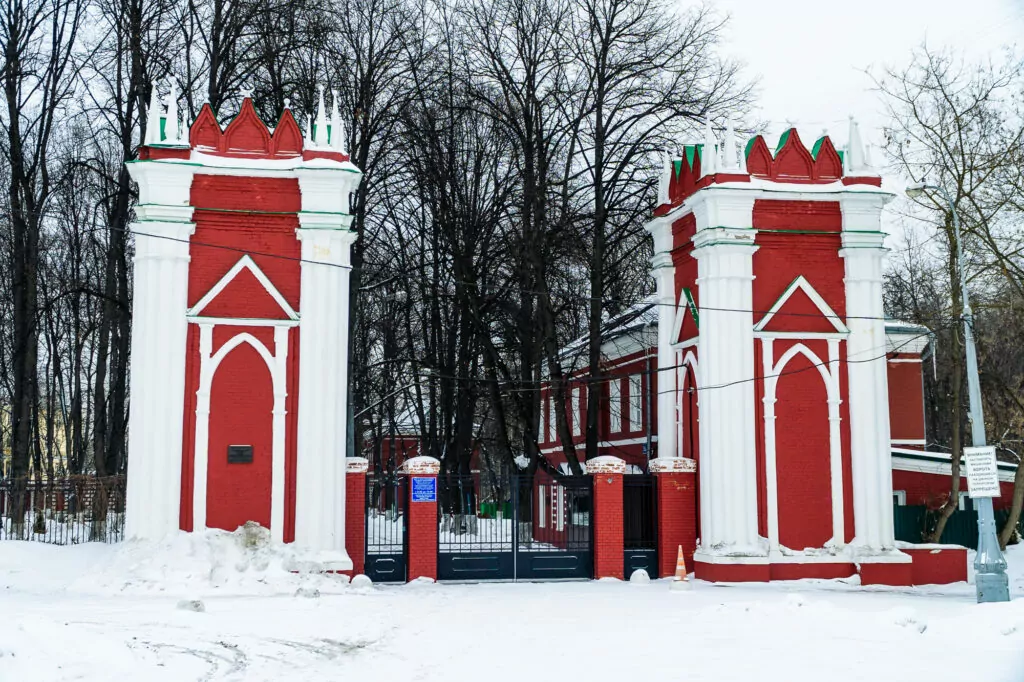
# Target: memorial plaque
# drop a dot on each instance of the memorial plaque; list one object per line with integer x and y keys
{"x": 239, "y": 454}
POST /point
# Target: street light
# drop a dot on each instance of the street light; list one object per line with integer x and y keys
{"x": 990, "y": 578}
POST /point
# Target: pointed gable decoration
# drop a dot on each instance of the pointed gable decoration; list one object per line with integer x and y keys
{"x": 828, "y": 165}
{"x": 800, "y": 284}
{"x": 245, "y": 263}
{"x": 247, "y": 134}
{"x": 759, "y": 158}
{"x": 792, "y": 162}
{"x": 287, "y": 138}
{"x": 205, "y": 133}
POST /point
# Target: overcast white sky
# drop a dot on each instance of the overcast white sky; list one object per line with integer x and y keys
{"x": 811, "y": 55}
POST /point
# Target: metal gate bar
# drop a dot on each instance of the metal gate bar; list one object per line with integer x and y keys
{"x": 386, "y": 526}
{"x": 640, "y": 519}
{"x": 521, "y": 528}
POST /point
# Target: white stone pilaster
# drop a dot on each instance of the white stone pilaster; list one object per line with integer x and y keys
{"x": 323, "y": 364}
{"x": 664, "y": 275}
{"x": 724, "y": 247}
{"x": 159, "y": 332}
{"x": 864, "y": 254}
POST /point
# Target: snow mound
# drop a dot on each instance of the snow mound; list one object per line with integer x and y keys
{"x": 639, "y": 576}
{"x": 213, "y": 562}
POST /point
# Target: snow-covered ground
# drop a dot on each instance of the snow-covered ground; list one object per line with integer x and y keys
{"x": 122, "y": 612}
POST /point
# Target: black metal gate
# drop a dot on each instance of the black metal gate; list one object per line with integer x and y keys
{"x": 386, "y": 525}
{"x": 522, "y": 528}
{"x": 640, "y": 523}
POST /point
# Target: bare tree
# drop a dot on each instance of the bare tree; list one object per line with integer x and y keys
{"x": 38, "y": 39}
{"x": 960, "y": 126}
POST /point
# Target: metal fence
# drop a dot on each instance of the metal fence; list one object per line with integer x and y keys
{"x": 65, "y": 511}
{"x": 913, "y": 522}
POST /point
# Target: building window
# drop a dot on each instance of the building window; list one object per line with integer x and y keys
{"x": 541, "y": 501}
{"x": 615, "y": 406}
{"x": 635, "y": 404}
{"x": 576, "y": 411}
{"x": 899, "y": 497}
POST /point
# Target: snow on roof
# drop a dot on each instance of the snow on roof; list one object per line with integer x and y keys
{"x": 638, "y": 322}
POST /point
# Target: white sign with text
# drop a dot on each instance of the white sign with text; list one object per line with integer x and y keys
{"x": 982, "y": 472}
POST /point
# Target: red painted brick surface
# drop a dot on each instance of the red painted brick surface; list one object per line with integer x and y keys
{"x": 609, "y": 543}
{"x": 732, "y": 573}
{"x": 821, "y": 571}
{"x": 422, "y": 540}
{"x": 677, "y": 519}
{"x": 355, "y": 519}
{"x": 938, "y": 566}
{"x": 932, "y": 490}
{"x": 906, "y": 401}
{"x": 802, "y": 455}
{"x": 241, "y": 413}
{"x": 234, "y": 216}
{"x": 886, "y": 574}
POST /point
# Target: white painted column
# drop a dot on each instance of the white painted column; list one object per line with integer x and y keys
{"x": 724, "y": 249}
{"x": 835, "y": 446}
{"x": 280, "y": 413}
{"x": 323, "y": 367}
{"x": 159, "y": 334}
{"x": 668, "y": 397}
{"x": 770, "y": 458}
{"x": 871, "y": 457}
{"x": 201, "y": 449}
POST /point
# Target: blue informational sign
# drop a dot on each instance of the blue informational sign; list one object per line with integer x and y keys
{"x": 424, "y": 489}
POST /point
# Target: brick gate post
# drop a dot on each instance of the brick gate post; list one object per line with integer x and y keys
{"x": 609, "y": 540}
{"x": 355, "y": 511}
{"x": 421, "y": 543}
{"x": 677, "y": 511}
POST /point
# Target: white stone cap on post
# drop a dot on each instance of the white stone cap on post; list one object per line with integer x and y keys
{"x": 422, "y": 465}
{"x": 606, "y": 464}
{"x": 356, "y": 465}
{"x": 662, "y": 465}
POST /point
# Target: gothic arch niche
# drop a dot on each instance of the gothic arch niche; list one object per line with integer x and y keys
{"x": 689, "y": 422}
{"x": 802, "y": 451}
{"x": 241, "y": 413}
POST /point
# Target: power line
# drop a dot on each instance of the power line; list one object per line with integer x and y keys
{"x": 473, "y": 284}
{"x": 545, "y": 384}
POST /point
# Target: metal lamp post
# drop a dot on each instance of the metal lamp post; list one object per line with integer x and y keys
{"x": 989, "y": 564}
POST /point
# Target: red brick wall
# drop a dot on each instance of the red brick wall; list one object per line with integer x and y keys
{"x": 272, "y": 234}
{"x": 263, "y": 227}
{"x": 906, "y": 401}
{"x": 422, "y": 541}
{"x": 241, "y": 413}
{"x": 802, "y": 456}
{"x": 608, "y": 527}
{"x": 677, "y": 519}
{"x": 355, "y": 519}
{"x": 932, "y": 490}
{"x": 933, "y": 566}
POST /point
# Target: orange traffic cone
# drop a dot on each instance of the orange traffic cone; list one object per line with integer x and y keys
{"x": 681, "y": 581}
